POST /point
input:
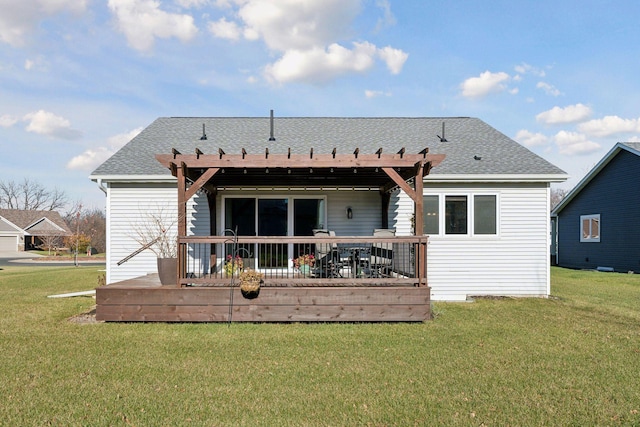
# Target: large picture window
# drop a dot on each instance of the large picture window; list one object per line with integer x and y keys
{"x": 590, "y": 228}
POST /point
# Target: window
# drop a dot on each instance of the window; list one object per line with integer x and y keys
{"x": 484, "y": 214}
{"x": 590, "y": 228}
{"x": 460, "y": 214}
{"x": 431, "y": 219}
{"x": 455, "y": 210}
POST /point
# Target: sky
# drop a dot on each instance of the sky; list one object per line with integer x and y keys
{"x": 80, "y": 78}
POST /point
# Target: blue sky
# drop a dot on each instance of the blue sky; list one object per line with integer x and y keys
{"x": 79, "y": 78}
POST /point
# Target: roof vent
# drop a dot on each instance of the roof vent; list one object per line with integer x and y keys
{"x": 271, "y": 135}
{"x": 442, "y": 138}
{"x": 204, "y": 135}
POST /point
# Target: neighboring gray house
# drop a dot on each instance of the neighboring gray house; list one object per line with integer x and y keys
{"x": 25, "y": 229}
{"x": 486, "y": 204}
{"x": 597, "y": 222}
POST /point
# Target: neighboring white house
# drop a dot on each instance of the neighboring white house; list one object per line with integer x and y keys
{"x": 26, "y": 229}
{"x": 486, "y": 205}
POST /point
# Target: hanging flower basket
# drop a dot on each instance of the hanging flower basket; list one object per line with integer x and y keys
{"x": 250, "y": 281}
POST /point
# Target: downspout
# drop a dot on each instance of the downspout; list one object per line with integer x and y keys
{"x": 101, "y": 186}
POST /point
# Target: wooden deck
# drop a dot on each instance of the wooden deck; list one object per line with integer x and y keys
{"x": 143, "y": 299}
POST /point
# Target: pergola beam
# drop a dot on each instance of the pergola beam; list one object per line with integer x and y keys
{"x": 312, "y": 160}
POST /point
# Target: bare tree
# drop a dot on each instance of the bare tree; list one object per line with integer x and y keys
{"x": 88, "y": 222}
{"x": 30, "y": 195}
{"x": 557, "y": 194}
{"x": 51, "y": 241}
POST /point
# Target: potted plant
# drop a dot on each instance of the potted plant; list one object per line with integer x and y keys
{"x": 157, "y": 232}
{"x": 304, "y": 263}
{"x": 250, "y": 281}
{"x": 233, "y": 265}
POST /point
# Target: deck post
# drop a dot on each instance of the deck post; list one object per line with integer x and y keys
{"x": 418, "y": 223}
{"x": 182, "y": 220}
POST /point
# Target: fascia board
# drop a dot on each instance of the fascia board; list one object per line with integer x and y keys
{"x": 496, "y": 178}
{"x": 133, "y": 178}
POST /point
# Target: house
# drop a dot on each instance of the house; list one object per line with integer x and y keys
{"x": 597, "y": 221}
{"x": 22, "y": 230}
{"x": 481, "y": 198}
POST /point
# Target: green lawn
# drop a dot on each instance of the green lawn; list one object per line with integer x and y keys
{"x": 573, "y": 359}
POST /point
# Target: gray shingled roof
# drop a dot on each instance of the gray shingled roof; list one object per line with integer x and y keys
{"x": 466, "y": 138}
{"x": 33, "y": 222}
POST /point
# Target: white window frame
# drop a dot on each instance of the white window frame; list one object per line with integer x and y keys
{"x": 590, "y": 238}
{"x": 470, "y": 214}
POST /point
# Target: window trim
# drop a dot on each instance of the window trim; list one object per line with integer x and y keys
{"x": 590, "y": 238}
{"x": 470, "y": 214}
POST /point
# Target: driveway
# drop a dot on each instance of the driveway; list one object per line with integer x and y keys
{"x": 29, "y": 259}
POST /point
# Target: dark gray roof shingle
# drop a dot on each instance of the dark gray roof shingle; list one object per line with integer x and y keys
{"x": 466, "y": 138}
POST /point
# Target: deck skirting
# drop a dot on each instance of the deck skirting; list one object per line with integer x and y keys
{"x": 119, "y": 303}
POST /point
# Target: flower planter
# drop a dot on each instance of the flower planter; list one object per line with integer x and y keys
{"x": 168, "y": 271}
{"x": 305, "y": 270}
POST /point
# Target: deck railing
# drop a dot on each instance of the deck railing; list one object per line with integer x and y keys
{"x": 304, "y": 261}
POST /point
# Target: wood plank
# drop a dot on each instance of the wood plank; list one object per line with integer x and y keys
{"x": 298, "y": 313}
{"x": 267, "y": 296}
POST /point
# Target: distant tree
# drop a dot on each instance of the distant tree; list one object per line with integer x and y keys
{"x": 77, "y": 241}
{"x": 557, "y": 194}
{"x": 90, "y": 223}
{"x": 51, "y": 241}
{"x": 30, "y": 195}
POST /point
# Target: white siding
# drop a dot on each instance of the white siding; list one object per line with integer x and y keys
{"x": 513, "y": 263}
{"x": 129, "y": 205}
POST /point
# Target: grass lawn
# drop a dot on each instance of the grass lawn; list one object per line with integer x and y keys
{"x": 573, "y": 359}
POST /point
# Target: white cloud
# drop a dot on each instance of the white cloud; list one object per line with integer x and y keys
{"x": 187, "y": 4}
{"x": 46, "y": 123}
{"x": 570, "y": 114}
{"x": 486, "y": 83}
{"x": 525, "y": 68}
{"x": 548, "y": 89}
{"x": 570, "y": 143}
{"x": 388, "y": 18}
{"x": 319, "y": 65}
{"x": 308, "y": 35}
{"x": 394, "y": 58}
{"x": 92, "y": 158}
{"x": 19, "y": 18}
{"x": 224, "y": 29}
{"x": 7, "y": 121}
{"x": 530, "y": 139}
{"x": 375, "y": 93}
{"x": 294, "y": 25}
{"x": 141, "y": 21}
{"x": 610, "y": 125}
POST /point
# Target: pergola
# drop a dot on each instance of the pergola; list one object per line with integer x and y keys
{"x": 377, "y": 170}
